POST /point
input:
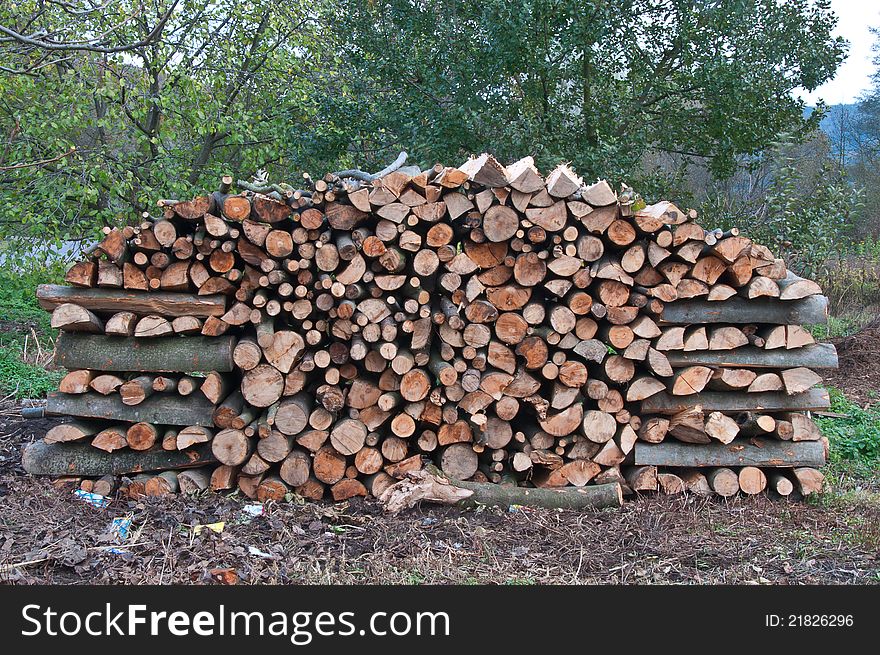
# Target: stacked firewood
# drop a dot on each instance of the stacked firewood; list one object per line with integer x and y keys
{"x": 507, "y": 328}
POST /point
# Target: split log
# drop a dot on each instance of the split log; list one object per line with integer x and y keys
{"x": 808, "y": 481}
{"x": 641, "y": 478}
{"x": 74, "y": 318}
{"x": 73, "y": 431}
{"x": 110, "y": 439}
{"x": 76, "y": 382}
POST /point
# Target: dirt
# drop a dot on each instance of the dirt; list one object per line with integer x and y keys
{"x": 858, "y": 374}
{"x": 48, "y": 535}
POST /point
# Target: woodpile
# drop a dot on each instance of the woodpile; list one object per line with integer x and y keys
{"x": 502, "y": 326}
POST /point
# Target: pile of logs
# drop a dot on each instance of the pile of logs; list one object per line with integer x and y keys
{"x": 506, "y": 327}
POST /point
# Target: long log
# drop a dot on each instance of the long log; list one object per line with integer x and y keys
{"x": 739, "y": 452}
{"x": 811, "y": 310}
{"x": 433, "y": 486}
{"x": 162, "y": 409}
{"x": 40, "y": 458}
{"x": 139, "y": 302}
{"x": 820, "y": 355}
{"x": 161, "y": 355}
{"x": 728, "y": 402}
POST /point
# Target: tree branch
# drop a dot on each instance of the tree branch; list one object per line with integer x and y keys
{"x": 42, "y": 162}
{"x": 35, "y": 42}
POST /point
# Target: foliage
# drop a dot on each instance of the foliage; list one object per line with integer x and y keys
{"x": 26, "y": 337}
{"x": 856, "y": 437}
{"x": 863, "y": 139}
{"x": 598, "y": 83}
{"x": 807, "y": 231}
{"x": 237, "y": 85}
{"x": 230, "y": 87}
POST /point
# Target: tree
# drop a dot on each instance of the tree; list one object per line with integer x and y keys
{"x": 109, "y": 104}
{"x": 43, "y": 33}
{"x": 594, "y": 82}
{"x": 223, "y": 86}
{"x": 865, "y": 160}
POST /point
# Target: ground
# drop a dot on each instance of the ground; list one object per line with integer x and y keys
{"x": 859, "y": 371}
{"x": 48, "y": 535}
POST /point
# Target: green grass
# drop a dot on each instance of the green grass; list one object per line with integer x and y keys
{"x": 21, "y": 379}
{"x": 837, "y": 326}
{"x": 25, "y": 333}
{"x": 854, "y": 438}
{"x": 18, "y": 300}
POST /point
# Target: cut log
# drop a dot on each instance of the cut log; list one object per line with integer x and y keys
{"x": 232, "y": 447}
{"x": 40, "y": 458}
{"x": 723, "y": 481}
{"x": 779, "y": 484}
{"x": 813, "y": 400}
{"x": 822, "y": 355}
{"x": 160, "y": 303}
{"x": 262, "y": 386}
{"x": 739, "y": 452}
{"x": 104, "y": 353}
{"x": 142, "y": 436}
{"x": 163, "y": 410}
{"x": 752, "y": 480}
{"x": 137, "y": 390}
{"x": 808, "y": 311}
{"x": 434, "y": 487}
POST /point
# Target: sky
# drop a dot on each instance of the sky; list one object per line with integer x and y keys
{"x": 856, "y": 17}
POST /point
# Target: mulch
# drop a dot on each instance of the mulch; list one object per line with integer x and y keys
{"x": 858, "y": 375}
